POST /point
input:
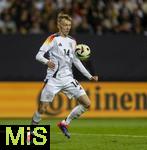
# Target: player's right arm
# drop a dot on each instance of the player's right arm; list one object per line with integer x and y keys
{"x": 47, "y": 45}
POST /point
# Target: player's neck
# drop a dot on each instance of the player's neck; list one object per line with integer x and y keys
{"x": 61, "y": 34}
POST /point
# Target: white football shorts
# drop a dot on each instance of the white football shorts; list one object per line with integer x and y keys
{"x": 69, "y": 86}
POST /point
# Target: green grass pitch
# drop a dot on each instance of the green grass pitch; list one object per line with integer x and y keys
{"x": 95, "y": 134}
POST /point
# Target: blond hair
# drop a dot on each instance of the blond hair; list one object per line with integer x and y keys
{"x": 63, "y": 16}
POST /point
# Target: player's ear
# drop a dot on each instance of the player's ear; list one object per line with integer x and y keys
{"x": 58, "y": 25}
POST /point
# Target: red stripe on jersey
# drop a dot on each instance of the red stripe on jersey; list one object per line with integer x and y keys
{"x": 50, "y": 39}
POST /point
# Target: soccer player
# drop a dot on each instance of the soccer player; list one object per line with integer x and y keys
{"x": 60, "y": 47}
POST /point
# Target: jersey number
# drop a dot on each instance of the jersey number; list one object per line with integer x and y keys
{"x": 76, "y": 84}
{"x": 66, "y": 52}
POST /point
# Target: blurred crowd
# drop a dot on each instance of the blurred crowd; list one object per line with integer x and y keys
{"x": 89, "y": 16}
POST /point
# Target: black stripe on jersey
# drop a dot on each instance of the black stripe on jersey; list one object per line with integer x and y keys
{"x": 71, "y": 37}
{"x": 55, "y": 74}
{"x": 47, "y": 55}
{"x": 56, "y": 34}
{"x": 53, "y": 35}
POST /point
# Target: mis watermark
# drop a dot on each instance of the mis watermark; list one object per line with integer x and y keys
{"x": 25, "y": 137}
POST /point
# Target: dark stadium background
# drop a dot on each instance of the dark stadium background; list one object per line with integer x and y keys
{"x": 113, "y": 57}
{"x": 115, "y": 30}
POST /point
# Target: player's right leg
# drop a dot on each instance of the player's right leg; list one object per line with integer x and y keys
{"x": 41, "y": 110}
{"x": 46, "y": 97}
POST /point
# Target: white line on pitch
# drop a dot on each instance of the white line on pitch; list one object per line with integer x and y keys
{"x": 109, "y": 135}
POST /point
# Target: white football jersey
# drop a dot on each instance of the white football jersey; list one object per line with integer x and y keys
{"x": 61, "y": 52}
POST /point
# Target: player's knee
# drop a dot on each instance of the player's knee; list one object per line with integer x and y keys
{"x": 42, "y": 108}
{"x": 84, "y": 100}
{"x": 88, "y": 104}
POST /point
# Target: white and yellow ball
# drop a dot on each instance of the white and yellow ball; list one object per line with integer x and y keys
{"x": 82, "y": 51}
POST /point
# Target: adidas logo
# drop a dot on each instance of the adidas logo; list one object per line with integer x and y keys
{"x": 59, "y": 44}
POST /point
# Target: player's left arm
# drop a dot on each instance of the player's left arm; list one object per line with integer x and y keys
{"x": 78, "y": 64}
{"x": 94, "y": 78}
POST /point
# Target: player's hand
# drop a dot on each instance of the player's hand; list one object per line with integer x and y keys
{"x": 94, "y": 78}
{"x": 51, "y": 65}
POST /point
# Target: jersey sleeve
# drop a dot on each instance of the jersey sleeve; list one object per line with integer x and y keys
{"x": 78, "y": 64}
{"x": 47, "y": 45}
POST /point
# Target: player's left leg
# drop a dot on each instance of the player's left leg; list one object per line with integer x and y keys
{"x": 74, "y": 89}
{"x": 84, "y": 104}
{"x": 74, "y": 114}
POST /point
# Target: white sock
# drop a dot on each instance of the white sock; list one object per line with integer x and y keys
{"x": 75, "y": 113}
{"x": 36, "y": 118}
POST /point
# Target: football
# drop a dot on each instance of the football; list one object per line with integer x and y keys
{"x": 82, "y": 51}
